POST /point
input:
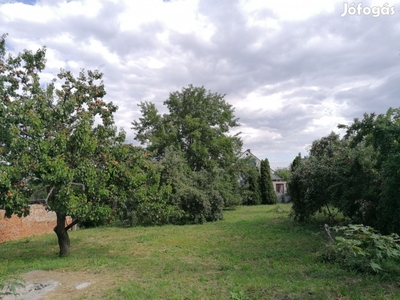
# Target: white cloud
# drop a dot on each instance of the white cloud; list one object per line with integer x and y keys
{"x": 289, "y": 9}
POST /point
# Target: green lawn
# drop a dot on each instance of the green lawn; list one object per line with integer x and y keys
{"x": 255, "y": 253}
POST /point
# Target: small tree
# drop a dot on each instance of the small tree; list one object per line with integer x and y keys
{"x": 296, "y": 162}
{"x": 268, "y": 195}
{"x": 57, "y": 139}
{"x": 249, "y": 181}
{"x": 136, "y": 193}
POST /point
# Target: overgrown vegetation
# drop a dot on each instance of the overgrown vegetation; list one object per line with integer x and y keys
{"x": 193, "y": 138}
{"x": 358, "y": 174}
{"x": 62, "y": 143}
{"x": 361, "y": 248}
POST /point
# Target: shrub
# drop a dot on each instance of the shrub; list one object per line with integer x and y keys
{"x": 197, "y": 196}
{"x": 361, "y": 248}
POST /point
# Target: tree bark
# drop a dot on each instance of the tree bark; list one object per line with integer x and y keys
{"x": 328, "y": 232}
{"x": 62, "y": 235}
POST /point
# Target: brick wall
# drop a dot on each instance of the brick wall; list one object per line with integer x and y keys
{"x": 39, "y": 221}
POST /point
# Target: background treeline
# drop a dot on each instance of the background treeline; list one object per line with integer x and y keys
{"x": 59, "y": 142}
{"x": 199, "y": 162}
{"x": 357, "y": 175}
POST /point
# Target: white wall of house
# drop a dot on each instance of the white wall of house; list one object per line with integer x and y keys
{"x": 280, "y": 187}
{"x": 248, "y": 153}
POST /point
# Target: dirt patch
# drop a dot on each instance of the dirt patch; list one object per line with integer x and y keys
{"x": 64, "y": 285}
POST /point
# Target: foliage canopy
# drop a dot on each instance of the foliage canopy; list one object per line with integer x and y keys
{"x": 358, "y": 174}
{"x": 194, "y": 138}
{"x": 59, "y": 137}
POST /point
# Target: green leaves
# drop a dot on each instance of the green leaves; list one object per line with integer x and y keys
{"x": 382, "y": 133}
{"x": 197, "y": 124}
{"x": 335, "y": 175}
{"x": 194, "y": 135}
{"x": 249, "y": 178}
{"x": 268, "y": 195}
{"x": 362, "y": 248}
{"x": 51, "y": 139}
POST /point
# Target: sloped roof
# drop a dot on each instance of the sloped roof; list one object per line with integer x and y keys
{"x": 247, "y": 153}
{"x": 275, "y": 177}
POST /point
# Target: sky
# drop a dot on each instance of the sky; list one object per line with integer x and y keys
{"x": 293, "y": 70}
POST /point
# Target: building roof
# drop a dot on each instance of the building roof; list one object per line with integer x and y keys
{"x": 275, "y": 177}
{"x": 248, "y": 153}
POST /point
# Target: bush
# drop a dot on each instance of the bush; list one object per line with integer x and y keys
{"x": 361, "y": 248}
{"x": 338, "y": 176}
{"x": 198, "y": 196}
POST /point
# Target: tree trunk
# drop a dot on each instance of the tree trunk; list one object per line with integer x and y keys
{"x": 62, "y": 235}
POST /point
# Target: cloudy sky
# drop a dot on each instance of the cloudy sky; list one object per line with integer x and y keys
{"x": 292, "y": 69}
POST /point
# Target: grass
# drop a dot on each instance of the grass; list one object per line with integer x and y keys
{"x": 255, "y": 253}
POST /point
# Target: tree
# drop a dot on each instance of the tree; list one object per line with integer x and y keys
{"x": 334, "y": 175}
{"x": 195, "y": 128}
{"x": 57, "y": 139}
{"x": 296, "y": 162}
{"x": 296, "y": 185}
{"x": 283, "y": 173}
{"x": 136, "y": 193}
{"x": 249, "y": 179}
{"x": 197, "y": 124}
{"x": 381, "y": 133}
{"x": 268, "y": 195}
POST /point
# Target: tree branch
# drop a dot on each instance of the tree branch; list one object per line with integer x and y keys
{"x": 79, "y": 184}
{"x": 48, "y": 196}
{"x": 74, "y": 222}
{"x": 328, "y": 232}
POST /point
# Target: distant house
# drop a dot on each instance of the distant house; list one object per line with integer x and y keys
{"x": 255, "y": 160}
{"x": 280, "y": 185}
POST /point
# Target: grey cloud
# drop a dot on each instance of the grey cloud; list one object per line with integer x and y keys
{"x": 324, "y": 51}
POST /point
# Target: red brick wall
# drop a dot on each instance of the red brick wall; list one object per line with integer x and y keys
{"x": 39, "y": 221}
